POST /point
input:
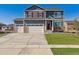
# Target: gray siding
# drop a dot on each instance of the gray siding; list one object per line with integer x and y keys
{"x": 34, "y": 22}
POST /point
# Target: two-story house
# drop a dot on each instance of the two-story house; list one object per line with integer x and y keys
{"x": 39, "y": 19}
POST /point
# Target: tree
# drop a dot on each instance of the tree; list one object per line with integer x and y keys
{"x": 76, "y": 25}
{"x": 1, "y": 24}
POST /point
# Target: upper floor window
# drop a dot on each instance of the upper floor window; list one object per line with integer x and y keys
{"x": 54, "y": 14}
{"x": 30, "y": 14}
{"x": 57, "y": 14}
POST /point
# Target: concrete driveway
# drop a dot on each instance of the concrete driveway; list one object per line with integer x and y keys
{"x": 23, "y": 44}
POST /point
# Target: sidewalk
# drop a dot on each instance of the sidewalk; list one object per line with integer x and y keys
{"x": 37, "y": 46}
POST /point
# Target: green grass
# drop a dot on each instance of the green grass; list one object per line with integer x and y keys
{"x": 2, "y": 34}
{"x": 62, "y": 38}
{"x": 65, "y": 51}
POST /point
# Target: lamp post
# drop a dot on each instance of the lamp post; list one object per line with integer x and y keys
{"x": 24, "y": 23}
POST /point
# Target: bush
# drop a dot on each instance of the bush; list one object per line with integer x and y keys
{"x": 2, "y": 32}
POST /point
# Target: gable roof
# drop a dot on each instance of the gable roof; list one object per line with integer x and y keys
{"x": 18, "y": 19}
{"x": 53, "y": 9}
{"x": 33, "y": 7}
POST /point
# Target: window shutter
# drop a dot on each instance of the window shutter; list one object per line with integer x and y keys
{"x": 32, "y": 14}
{"x": 27, "y": 14}
{"x": 38, "y": 14}
{"x": 42, "y": 14}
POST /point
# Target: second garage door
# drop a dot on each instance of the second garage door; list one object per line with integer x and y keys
{"x": 20, "y": 29}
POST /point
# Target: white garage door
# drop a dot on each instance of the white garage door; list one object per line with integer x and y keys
{"x": 36, "y": 29}
{"x": 20, "y": 29}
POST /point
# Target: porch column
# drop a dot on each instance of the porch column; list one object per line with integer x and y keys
{"x": 52, "y": 26}
{"x": 14, "y": 28}
{"x": 45, "y": 22}
{"x": 45, "y": 26}
{"x": 23, "y": 24}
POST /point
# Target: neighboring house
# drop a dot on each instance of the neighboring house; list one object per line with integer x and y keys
{"x": 0, "y": 28}
{"x": 69, "y": 26}
{"x": 7, "y": 28}
{"x": 40, "y": 19}
{"x": 1, "y": 25}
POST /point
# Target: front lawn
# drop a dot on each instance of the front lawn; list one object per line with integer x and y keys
{"x": 2, "y": 34}
{"x": 62, "y": 38}
{"x": 65, "y": 51}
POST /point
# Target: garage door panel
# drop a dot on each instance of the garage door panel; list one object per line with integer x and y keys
{"x": 20, "y": 29}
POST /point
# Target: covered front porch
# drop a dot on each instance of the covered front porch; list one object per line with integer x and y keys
{"x": 53, "y": 26}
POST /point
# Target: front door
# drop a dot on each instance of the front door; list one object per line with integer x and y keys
{"x": 49, "y": 25}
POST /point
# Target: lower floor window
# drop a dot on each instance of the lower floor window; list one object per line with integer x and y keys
{"x": 58, "y": 23}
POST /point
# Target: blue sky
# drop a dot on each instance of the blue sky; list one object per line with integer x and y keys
{"x": 8, "y": 12}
